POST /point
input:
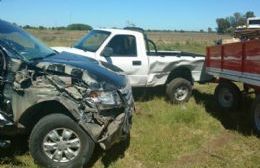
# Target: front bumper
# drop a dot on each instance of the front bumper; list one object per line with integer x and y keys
{"x": 119, "y": 128}
{"x": 107, "y": 127}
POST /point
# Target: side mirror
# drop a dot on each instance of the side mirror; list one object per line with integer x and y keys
{"x": 107, "y": 52}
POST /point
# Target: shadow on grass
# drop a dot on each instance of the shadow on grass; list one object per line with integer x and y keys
{"x": 110, "y": 156}
{"x": 17, "y": 147}
{"x": 234, "y": 120}
{"x": 20, "y": 147}
{"x": 147, "y": 94}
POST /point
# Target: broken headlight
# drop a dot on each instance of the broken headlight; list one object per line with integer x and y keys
{"x": 105, "y": 98}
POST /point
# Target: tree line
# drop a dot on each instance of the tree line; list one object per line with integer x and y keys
{"x": 77, "y": 26}
{"x": 225, "y": 25}
{"x": 88, "y": 28}
{"x": 230, "y": 23}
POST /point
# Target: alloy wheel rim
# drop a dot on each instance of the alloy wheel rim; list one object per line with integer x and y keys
{"x": 61, "y": 145}
{"x": 181, "y": 93}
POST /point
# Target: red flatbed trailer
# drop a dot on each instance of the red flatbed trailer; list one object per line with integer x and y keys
{"x": 236, "y": 62}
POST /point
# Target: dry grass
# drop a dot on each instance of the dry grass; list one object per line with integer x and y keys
{"x": 190, "y": 42}
{"x": 195, "y": 134}
{"x": 58, "y": 37}
{"x": 182, "y": 38}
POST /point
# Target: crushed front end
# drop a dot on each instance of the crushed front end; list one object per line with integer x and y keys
{"x": 113, "y": 119}
{"x": 102, "y": 105}
{"x": 105, "y": 107}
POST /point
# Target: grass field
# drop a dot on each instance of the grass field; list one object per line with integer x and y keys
{"x": 191, "y": 42}
{"x": 195, "y": 134}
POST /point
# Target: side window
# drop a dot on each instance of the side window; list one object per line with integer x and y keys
{"x": 123, "y": 45}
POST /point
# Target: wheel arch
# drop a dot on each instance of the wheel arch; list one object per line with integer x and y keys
{"x": 181, "y": 72}
{"x": 33, "y": 114}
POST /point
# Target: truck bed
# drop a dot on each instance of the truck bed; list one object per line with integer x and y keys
{"x": 236, "y": 61}
{"x": 174, "y": 53}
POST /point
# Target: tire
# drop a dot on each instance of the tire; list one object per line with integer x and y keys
{"x": 228, "y": 96}
{"x": 179, "y": 90}
{"x": 49, "y": 143}
{"x": 255, "y": 115}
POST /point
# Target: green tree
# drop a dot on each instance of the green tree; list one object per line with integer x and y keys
{"x": 249, "y": 14}
{"x": 223, "y": 25}
{"x": 79, "y": 26}
{"x": 27, "y": 27}
{"x": 239, "y": 19}
{"x": 210, "y": 30}
{"x": 230, "y": 23}
{"x": 60, "y": 28}
{"x": 41, "y": 27}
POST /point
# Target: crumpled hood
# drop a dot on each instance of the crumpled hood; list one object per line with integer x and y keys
{"x": 74, "y": 51}
{"x": 90, "y": 55}
{"x": 94, "y": 70}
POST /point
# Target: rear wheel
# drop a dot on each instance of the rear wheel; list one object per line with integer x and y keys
{"x": 57, "y": 141}
{"x": 179, "y": 90}
{"x": 255, "y": 115}
{"x": 228, "y": 96}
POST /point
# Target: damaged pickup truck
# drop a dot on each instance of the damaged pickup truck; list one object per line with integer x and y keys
{"x": 132, "y": 51}
{"x": 64, "y": 102}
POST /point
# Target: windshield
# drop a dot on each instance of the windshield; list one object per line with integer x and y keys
{"x": 17, "y": 41}
{"x": 92, "y": 41}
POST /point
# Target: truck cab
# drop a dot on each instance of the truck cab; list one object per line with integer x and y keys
{"x": 122, "y": 48}
{"x": 253, "y": 23}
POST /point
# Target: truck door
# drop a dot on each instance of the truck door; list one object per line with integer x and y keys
{"x": 123, "y": 52}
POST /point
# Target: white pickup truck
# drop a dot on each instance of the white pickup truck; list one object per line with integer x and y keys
{"x": 131, "y": 50}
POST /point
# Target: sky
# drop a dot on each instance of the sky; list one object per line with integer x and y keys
{"x": 148, "y": 14}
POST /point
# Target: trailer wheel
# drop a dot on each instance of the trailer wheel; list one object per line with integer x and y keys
{"x": 179, "y": 90}
{"x": 255, "y": 115}
{"x": 228, "y": 96}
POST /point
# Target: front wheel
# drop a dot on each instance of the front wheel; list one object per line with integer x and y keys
{"x": 179, "y": 90}
{"x": 58, "y": 141}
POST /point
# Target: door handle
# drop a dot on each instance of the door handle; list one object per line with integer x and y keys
{"x": 137, "y": 63}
